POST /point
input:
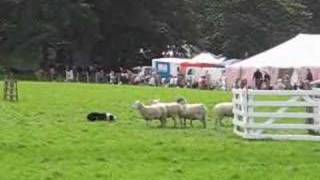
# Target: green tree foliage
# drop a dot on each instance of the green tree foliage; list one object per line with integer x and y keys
{"x": 105, "y": 29}
{"x": 254, "y": 25}
{"x": 210, "y": 18}
{"x": 112, "y": 31}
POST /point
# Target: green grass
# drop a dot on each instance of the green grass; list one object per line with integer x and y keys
{"x": 46, "y": 136}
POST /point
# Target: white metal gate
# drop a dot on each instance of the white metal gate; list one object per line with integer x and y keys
{"x": 275, "y": 114}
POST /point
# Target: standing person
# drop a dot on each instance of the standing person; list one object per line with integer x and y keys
{"x": 257, "y": 77}
{"x": 75, "y": 73}
{"x": 181, "y": 80}
{"x": 85, "y": 74}
{"x": 69, "y": 74}
{"x": 208, "y": 78}
{"x": 99, "y": 75}
{"x": 112, "y": 77}
{"x": 223, "y": 80}
{"x": 279, "y": 85}
{"x": 60, "y": 71}
{"x": 158, "y": 79}
{"x": 286, "y": 82}
{"x": 79, "y": 74}
{"x": 267, "y": 80}
{"x": 237, "y": 84}
{"x": 91, "y": 73}
{"x": 172, "y": 82}
{"x": 152, "y": 81}
{"x": 107, "y": 75}
{"x": 309, "y": 76}
{"x": 52, "y": 73}
{"x": 243, "y": 84}
{"x": 39, "y": 74}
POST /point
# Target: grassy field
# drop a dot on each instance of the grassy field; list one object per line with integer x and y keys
{"x": 46, "y": 136}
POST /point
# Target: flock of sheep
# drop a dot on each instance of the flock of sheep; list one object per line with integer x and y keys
{"x": 182, "y": 111}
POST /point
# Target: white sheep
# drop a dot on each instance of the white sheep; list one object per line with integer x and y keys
{"x": 174, "y": 110}
{"x": 222, "y": 110}
{"x": 152, "y": 112}
{"x": 193, "y": 112}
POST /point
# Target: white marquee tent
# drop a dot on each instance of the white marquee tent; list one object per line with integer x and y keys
{"x": 299, "y": 53}
{"x": 207, "y": 58}
{"x": 202, "y": 64}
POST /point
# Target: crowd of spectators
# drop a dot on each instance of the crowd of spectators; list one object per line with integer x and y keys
{"x": 86, "y": 74}
{"x": 136, "y": 76}
{"x": 262, "y": 81}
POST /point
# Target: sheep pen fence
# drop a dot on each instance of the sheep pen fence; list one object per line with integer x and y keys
{"x": 277, "y": 114}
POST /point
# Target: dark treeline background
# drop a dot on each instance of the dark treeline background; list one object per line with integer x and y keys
{"x": 113, "y": 31}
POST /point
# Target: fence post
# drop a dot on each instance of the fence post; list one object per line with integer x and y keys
{"x": 236, "y": 99}
{"x": 316, "y": 119}
{"x": 251, "y": 98}
{"x": 245, "y": 110}
{"x": 5, "y": 89}
{"x": 17, "y": 93}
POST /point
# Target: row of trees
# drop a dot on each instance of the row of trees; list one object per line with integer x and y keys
{"x": 113, "y": 31}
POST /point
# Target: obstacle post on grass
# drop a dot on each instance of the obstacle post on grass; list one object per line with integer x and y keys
{"x": 10, "y": 88}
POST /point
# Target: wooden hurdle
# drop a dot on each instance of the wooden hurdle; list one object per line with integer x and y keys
{"x": 251, "y": 123}
{"x": 10, "y": 88}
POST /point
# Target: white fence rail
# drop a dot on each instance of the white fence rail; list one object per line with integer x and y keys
{"x": 277, "y": 115}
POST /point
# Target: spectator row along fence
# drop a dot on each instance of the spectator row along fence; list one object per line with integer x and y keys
{"x": 277, "y": 114}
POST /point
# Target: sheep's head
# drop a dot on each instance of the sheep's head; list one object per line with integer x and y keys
{"x": 155, "y": 101}
{"x": 181, "y": 101}
{"x": 137, "y": 105}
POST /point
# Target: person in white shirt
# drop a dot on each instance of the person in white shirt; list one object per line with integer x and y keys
{"x": 173, "y": 81}
{"x": 279, "y": 85}
{"x": 69, "y": 74}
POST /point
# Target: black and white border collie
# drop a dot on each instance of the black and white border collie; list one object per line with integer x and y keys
{"x": 95, "y": 116}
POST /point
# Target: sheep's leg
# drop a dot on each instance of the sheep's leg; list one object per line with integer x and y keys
{"x": 220, "y": 121}
{"x": 148, "y": 123}
{"x": 222, "y": 124}
{"x": 185, "y": 122}
{"x": 181, "y": 122}
{"x": 216, "y": 122}
{"x": 163, "y": 122}
{"x": 191, "y": 123}
{"x": 204, "y": 121}
{"x": 175, "y": 122}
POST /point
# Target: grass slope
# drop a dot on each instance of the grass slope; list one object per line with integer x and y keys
{"x": 46, "y": 136}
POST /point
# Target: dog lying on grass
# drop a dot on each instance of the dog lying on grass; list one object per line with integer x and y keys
{"x": 95, "y": 116}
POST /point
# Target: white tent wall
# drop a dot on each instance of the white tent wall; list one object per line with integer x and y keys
{"x": 299, "y": 74}
{"x": 215, "y": 73}
{"x": 299, "y": 53}
{"x": 205, "y": 62}
{"x": 207, "y": 58}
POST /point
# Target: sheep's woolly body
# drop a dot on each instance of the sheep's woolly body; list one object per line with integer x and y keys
{"x": 152, "y": 112}
{"x": 174, "y": 110}
{"x": 221, "y": 110}
{"x": 194, "y": 112}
